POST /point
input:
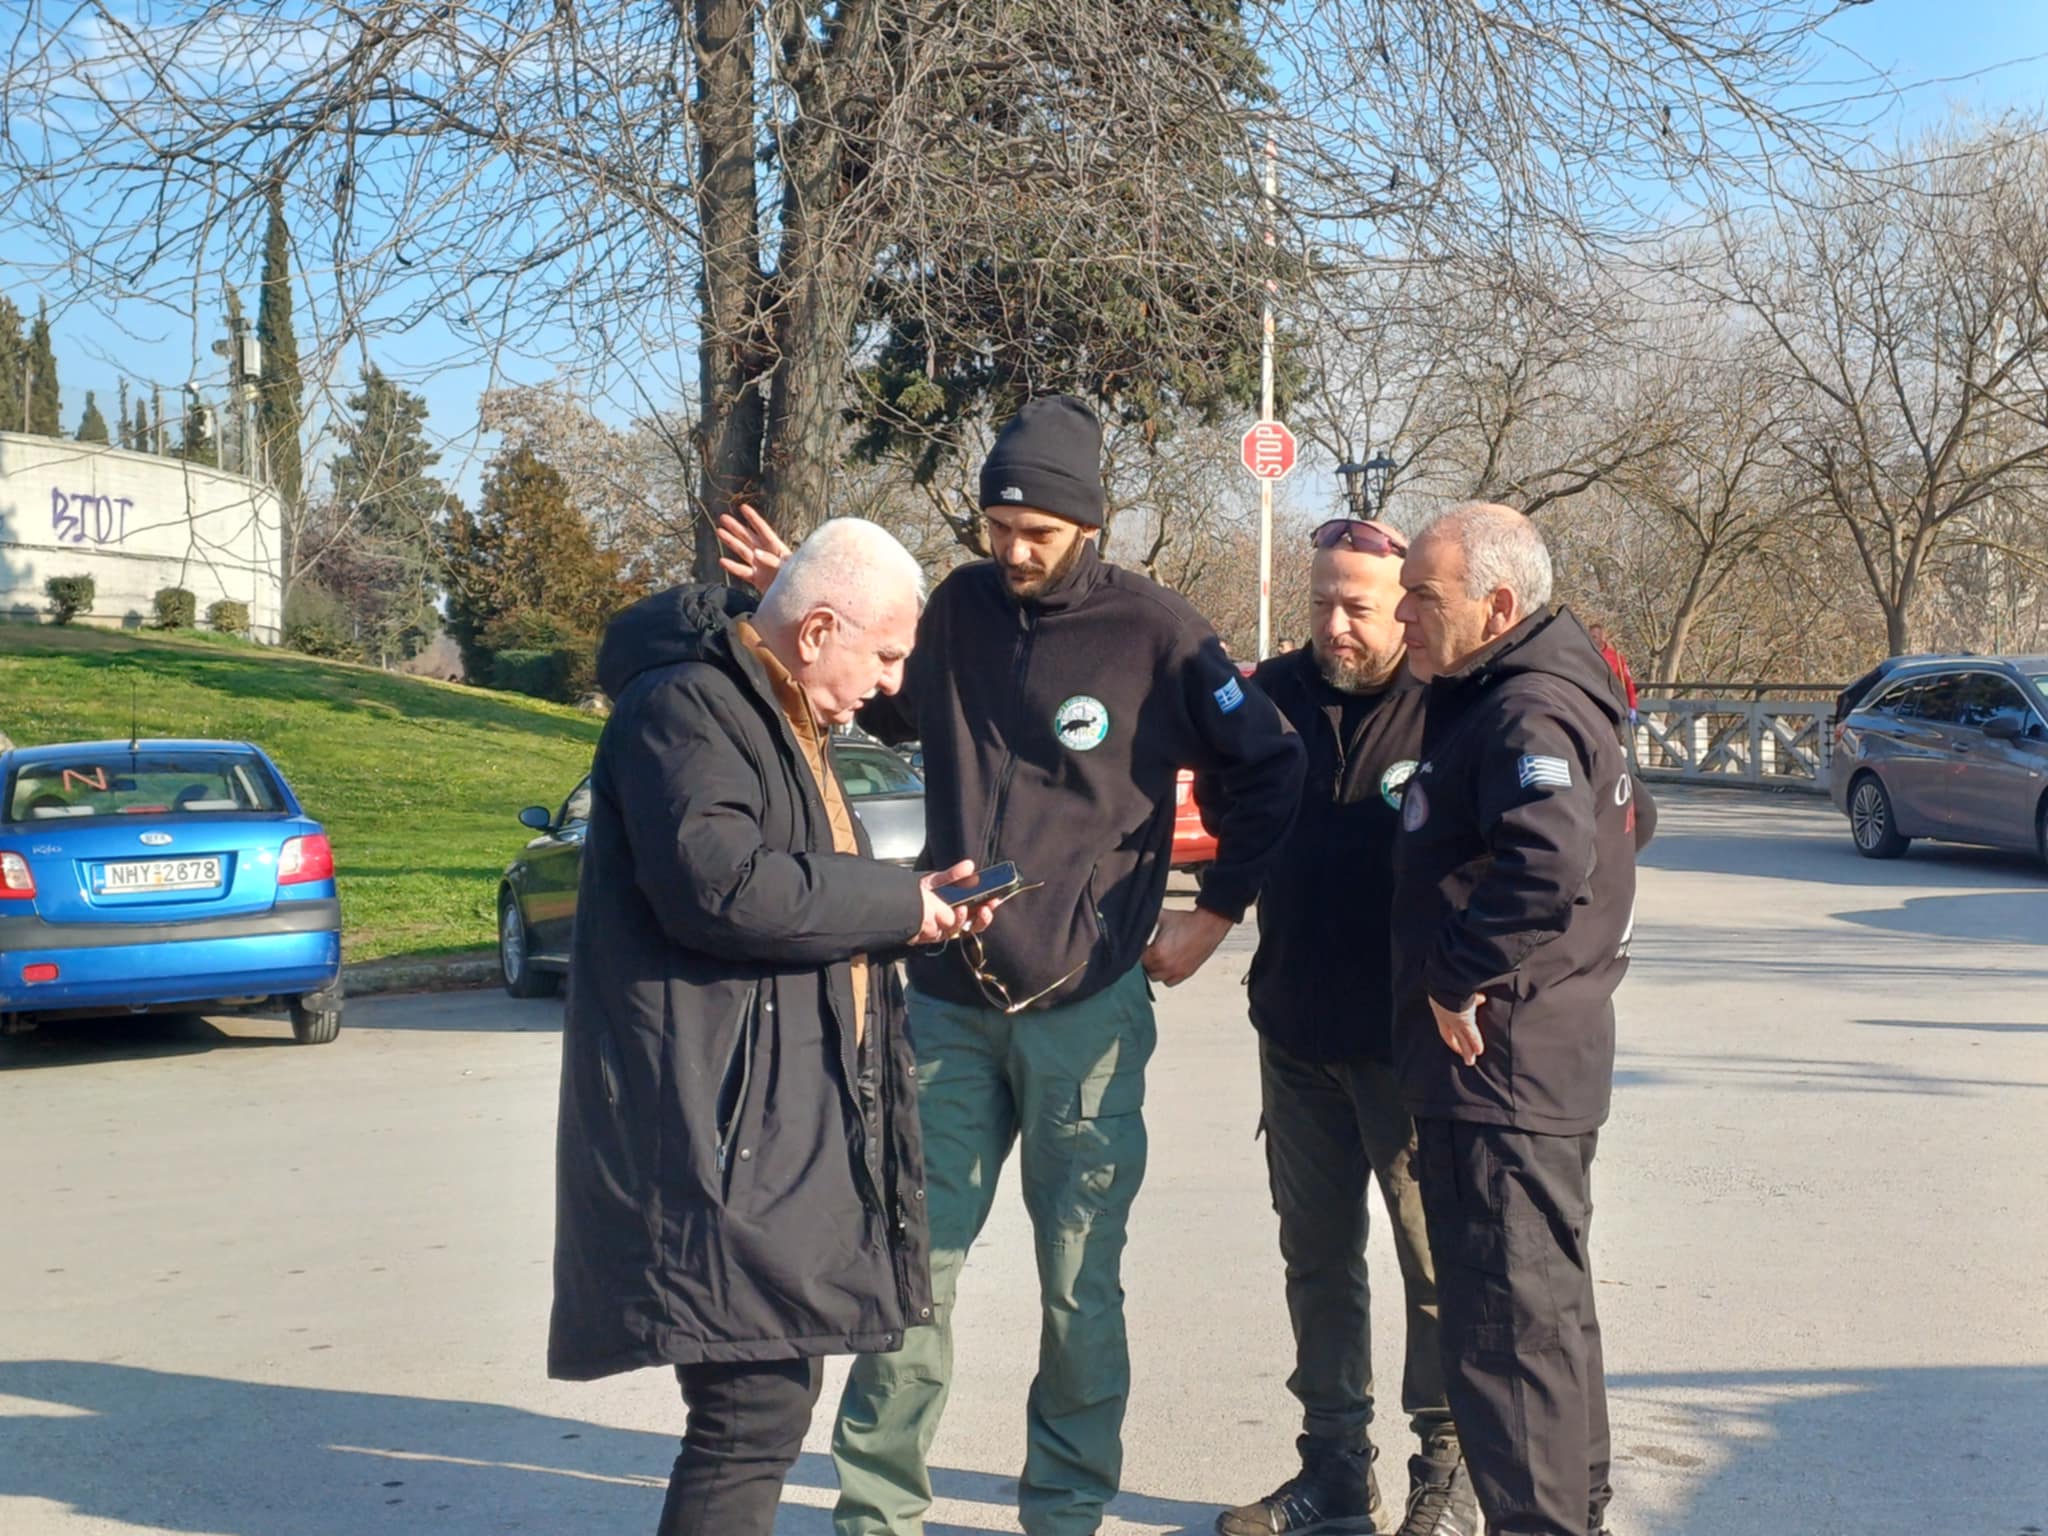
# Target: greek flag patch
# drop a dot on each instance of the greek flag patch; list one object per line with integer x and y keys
{"x": 1229, "y": 696}
{"x": 1544, "y": 773}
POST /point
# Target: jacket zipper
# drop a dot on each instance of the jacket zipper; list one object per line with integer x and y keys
{"x": 1018, "y": 669}
{"x": 741, "y": 1062}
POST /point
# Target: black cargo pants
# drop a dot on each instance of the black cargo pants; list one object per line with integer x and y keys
{"x": 1509, "y": 1214}
{"x": 1331, "y": 1130}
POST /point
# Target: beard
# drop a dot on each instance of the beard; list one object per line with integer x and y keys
{"x": 1352, "y": 670}
{"x": 1033, "y": 580}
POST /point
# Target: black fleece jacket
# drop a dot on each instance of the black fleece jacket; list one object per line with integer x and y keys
{"x": 1053, "y": 729}
{"x": 1515, "y": 878}
{"x": 1319, "y": 983}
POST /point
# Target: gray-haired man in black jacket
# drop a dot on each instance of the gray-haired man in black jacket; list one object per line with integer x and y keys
{"x": 739, "y": 1181}
{"x": 1514, "y": 901}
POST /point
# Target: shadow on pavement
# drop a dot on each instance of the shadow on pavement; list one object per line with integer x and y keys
{"x": 164, "y": 1451}
{"x": 1782, "y": 1074}
{"x": 1975, "y": 1026}
{"x": 1996, "y": 917}
{"x": 136, "y": 1037}
{"x": 1939, "y": 1450}
{"x": 1726, "y": 844}
{"x": 479, "y": 1010}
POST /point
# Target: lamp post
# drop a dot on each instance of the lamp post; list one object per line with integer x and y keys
{"x": 1365, "y": 485}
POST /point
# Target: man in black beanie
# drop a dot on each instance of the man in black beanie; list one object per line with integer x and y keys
{"x": 1057, "y": 697}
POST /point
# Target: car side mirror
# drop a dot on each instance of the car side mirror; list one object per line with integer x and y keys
{"x": 537, "y": 817}
{"x": 2003, "y": 728}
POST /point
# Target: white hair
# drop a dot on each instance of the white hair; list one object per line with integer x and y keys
{"x": 848, "y": 564}
{"x": 1503, "y": 548}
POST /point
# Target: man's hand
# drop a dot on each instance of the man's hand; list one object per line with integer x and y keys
{"x": 756, "y": 550}
{"x": 1183, "y": 941}
{"x": 1461, "y": 1030}
{"x": 942, "y": 920}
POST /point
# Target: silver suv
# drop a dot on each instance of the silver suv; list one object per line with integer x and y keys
{"x": 1955, "y": 749}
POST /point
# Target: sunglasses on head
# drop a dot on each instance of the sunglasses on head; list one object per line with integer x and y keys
{"x": 1354, "y": 534}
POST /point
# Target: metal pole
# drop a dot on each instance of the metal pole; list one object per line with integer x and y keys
{"x": 1266, "y": 408}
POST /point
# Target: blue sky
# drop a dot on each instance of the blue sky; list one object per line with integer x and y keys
{"x": 1986, "y": 55}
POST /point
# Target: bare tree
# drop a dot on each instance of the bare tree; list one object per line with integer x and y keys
{"x": 632, "y": 484}
{"x": 1907, "y": 308}
{"x": 781, "y": 196}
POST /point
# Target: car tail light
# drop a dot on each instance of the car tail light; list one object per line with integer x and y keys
{"x": 17, "y": 883}
{"x": 42, "y": 972}
{"x": 305, "y": 859}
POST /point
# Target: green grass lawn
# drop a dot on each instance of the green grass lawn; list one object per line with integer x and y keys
{"x": 418, "y": 782}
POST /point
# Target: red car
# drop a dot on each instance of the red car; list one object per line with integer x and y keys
{"x": 1193, "y": 845}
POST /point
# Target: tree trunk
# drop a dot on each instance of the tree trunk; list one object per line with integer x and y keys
{"x": 728, "y": 351}
{"x": 820, "y": 272}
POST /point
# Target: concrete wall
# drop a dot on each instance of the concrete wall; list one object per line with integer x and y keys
{"x": 134, "y": 523}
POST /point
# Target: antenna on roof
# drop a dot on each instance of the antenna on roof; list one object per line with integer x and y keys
{"x": 134, "y": 716}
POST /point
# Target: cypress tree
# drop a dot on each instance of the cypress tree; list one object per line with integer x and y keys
{"x": 12, "y": 350}
{"x": 277, "y": 401}
{"x": 44, "y": 401}
{"x": 93, "y": 428}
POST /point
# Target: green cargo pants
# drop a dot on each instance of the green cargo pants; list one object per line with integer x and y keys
{"x": 1068, "y": 1084}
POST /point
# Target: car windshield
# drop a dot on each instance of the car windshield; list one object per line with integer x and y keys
{"x": 145, "y": 783}
{"x": 2040, "y": 682}
{"x": 874, "y": 771}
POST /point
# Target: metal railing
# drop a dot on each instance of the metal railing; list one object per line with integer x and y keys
{"x": 1774, "y": 743}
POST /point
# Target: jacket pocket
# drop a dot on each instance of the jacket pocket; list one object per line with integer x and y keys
{"x": 610, "y": 1070}
{"x": 733, "y": 1085}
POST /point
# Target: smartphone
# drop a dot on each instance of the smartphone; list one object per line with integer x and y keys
{"x": 987, "y": 884}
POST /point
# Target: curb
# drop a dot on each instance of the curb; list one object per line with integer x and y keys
{"x": 436, "y": 973}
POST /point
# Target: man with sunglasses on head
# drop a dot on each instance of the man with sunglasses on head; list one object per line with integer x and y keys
{"x": 1056, "y": 697}
{"x": 1321, "y": 1002}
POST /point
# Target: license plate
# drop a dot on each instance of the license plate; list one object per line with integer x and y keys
{"x": 161, "y": 875}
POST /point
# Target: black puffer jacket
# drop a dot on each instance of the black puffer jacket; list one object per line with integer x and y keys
{"x": 728, "y": 1187}
{"x": 1515, "y": 878}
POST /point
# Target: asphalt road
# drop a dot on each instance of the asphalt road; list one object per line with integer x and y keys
{"x": 254, "y": 1289}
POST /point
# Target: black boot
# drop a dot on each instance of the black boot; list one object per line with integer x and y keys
{"x": 1335, "y": 1491}
{"x": 1440, "y": 1497}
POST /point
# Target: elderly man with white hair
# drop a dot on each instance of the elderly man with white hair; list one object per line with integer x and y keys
{"x": 1514, "y": 897}
{"x": 739, "y": 1185}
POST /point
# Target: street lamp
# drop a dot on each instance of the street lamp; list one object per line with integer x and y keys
{"x": 1365, "y": 485}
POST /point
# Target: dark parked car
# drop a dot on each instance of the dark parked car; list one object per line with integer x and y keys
{"x": 537, "y": 898}
{"x": 1953, "y": 748}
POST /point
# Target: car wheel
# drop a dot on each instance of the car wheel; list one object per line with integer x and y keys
{"x": 515, "y": 959}
{"x": 316, "y": 1017}
{"x": 1871, "y": 824}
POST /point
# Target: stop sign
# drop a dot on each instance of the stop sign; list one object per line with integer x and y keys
{"x": 1268, "y": 451}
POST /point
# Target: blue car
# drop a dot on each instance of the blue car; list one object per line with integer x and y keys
{"x": 163, "y": 875}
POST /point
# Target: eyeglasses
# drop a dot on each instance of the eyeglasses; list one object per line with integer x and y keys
{"x": 1355, "y": 534}
{"x": 991, "y": 986}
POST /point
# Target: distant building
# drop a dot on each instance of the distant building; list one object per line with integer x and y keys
{"x": 135, "y": 523}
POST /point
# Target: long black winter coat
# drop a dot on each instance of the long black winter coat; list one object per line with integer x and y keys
{"x": 728, "y": 1187}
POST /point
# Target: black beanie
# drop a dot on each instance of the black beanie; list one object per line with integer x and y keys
{"x": 1048, "y": 457}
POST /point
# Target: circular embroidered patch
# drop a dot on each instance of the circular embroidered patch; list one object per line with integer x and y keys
{"x": 1395, "y": 779}
{"x": 1081, "y": 723}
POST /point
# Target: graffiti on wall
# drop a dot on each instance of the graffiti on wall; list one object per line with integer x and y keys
{"x": 88, "y": 518}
